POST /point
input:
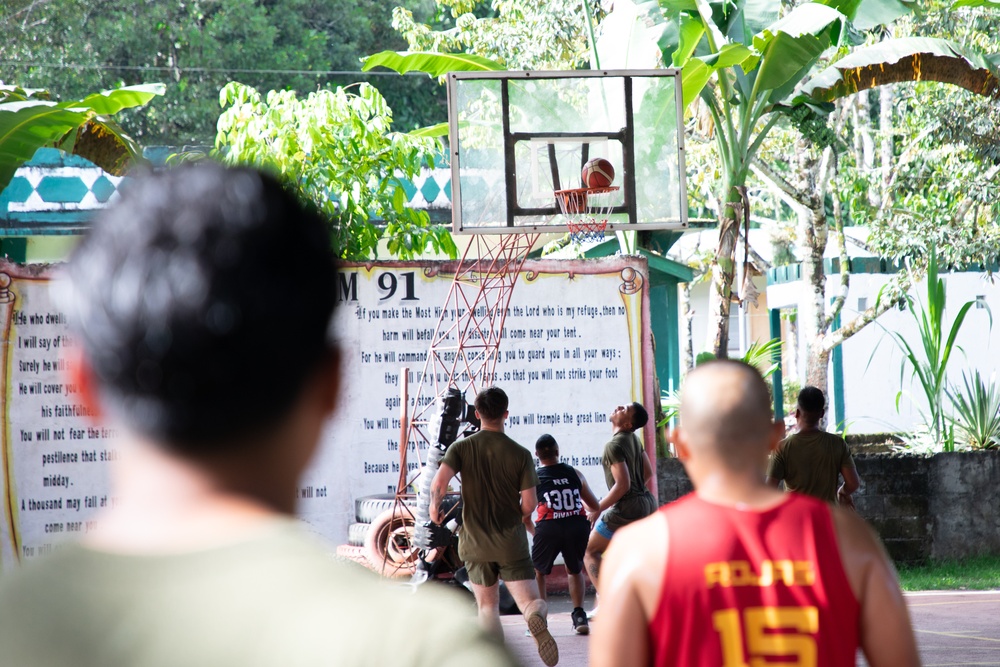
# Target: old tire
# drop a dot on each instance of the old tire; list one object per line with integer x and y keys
{"x": 353, "y": 554}
{"x": 356, "y": 534}
{"x": 389, "y": 545}
{"x": 367, "y": 508}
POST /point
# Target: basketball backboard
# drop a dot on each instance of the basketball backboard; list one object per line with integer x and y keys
{"x": 517, "y": 137}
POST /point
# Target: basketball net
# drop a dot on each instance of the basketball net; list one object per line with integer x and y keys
{"x": 586, "y": 211}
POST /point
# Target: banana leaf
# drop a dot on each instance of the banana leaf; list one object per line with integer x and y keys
{"x": 80, "y": 127}
{"x": 905, "y": 59}
{"x": 434, "y": 64}
{"x": 995, "y": 4}
{"x": 866, "y": 14}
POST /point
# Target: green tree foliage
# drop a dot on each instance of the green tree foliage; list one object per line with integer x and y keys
{"x": 77, "y": 46}
{"x": 520, "y": 34}
{"x": 943, "y": 188}
{"x": 337, "y": 147}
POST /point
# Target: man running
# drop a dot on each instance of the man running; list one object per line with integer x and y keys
{"x": 627, "y": 471}
{"x": 562, "y": 526}
{"x": 498, "y": 494}
{"x": 739, "y": 573}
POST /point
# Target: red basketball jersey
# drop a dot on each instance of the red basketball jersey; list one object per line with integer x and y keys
{"x": 747, "y": 588}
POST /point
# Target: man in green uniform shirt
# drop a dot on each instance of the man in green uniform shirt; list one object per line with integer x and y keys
{"x": 627, "y": 471}
{"x": 498, "y": 493}
{"x": 200, "y": 310}
{"x": 811, "y": 460}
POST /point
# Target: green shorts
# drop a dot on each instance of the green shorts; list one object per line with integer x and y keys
{"x": 488, "y": 573}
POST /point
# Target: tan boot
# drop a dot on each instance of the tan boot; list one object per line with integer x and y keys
{"x": 538, "y": 626}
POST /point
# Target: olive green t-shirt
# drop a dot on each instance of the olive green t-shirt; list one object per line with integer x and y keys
{"x": 638, "y": 502}
{"x": 277, "y": 599}
{"x": 810, "y": 463}
{"x": 495, "y": 470}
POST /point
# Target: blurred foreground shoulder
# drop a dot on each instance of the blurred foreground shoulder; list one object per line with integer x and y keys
{"x": 632, "y": 576}
{"x": 885, "y": 632}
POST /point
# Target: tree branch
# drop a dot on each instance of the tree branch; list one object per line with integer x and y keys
{"x": 788, "y": 192}
{"x": 845, "y": 273}
{"x": 835, "y": 338}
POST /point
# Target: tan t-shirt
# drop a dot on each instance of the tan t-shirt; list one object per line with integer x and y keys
{"x": 495, "y": 470}
{"x": 810, "y": 463}
{"x": 279, "y": 599}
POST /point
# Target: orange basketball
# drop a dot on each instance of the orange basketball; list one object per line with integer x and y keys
{"x": 598, "y": 173}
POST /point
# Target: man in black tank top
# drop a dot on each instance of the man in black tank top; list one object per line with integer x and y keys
{"x": 562, "y": 526}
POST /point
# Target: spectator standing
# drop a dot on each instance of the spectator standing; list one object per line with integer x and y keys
{"x": 738, "y": 573}
{"x": 811, "y": 460}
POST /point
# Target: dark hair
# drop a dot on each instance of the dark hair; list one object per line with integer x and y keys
{"x": 639, "y": 416}
{"x": 812, "y": 401}
{"x": 491, "y": 403}
{"x": 546, "y": 447}
{"x": 202, "y": 301}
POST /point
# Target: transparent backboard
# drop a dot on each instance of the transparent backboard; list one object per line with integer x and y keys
{"x": 517, "y": 137}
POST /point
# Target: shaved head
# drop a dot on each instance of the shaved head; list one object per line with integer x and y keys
{"x": 726, "y": 412}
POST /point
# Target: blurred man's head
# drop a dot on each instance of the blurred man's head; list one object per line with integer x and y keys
{"x": 201, "y": 303}
{"x": 725, "y": 418}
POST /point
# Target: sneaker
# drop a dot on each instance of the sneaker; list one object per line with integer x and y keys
{"x": 580, "y": 624}
{"x": 592, "y": 614}
{"x": 548, "y": 651}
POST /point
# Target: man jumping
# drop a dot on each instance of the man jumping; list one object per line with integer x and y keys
{"x": 627, "y": 471}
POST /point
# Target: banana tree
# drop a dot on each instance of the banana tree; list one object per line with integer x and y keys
{"x": 744, "y": 63}
{"x": 29, "y": 120}
{"x": 750, "y": 68}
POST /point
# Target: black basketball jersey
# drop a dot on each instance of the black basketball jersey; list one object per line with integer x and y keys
{"x": 559, "y": 492}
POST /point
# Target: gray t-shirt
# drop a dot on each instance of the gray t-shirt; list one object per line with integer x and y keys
{"x": 278, "y": 598}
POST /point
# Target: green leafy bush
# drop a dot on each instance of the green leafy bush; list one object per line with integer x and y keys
{"x": 978, "y": 412}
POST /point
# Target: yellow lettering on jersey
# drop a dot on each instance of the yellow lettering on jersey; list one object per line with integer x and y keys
{"x": 727, "y": 574}
{"x": 785, "y": 633}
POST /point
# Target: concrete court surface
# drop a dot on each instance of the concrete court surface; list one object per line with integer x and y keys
{"x": 953, "y": 628}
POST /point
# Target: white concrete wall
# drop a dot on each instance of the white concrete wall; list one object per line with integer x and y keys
{"x": 754, "y": 326}
{"x": 872, "y": 361}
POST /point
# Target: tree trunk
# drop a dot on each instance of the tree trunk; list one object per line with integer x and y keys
{"x": 812, "y": 313}
{"x": 886, "y": 153}
{"x": 818, "y": 376}
{"x": 723, "y": 274}
{"x": 687, "y": 322}
{"x": 792, "y": 367}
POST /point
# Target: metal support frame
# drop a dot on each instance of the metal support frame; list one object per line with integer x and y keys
{"x": 462, "y": 355}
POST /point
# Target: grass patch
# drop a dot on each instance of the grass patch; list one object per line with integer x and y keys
{"x": 972, "y": 574}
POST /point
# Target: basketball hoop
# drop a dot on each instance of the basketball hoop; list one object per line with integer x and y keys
{"x": 586, "y": 211}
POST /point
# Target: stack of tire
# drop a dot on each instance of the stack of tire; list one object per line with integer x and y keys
{"x": 381, "y": 538}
